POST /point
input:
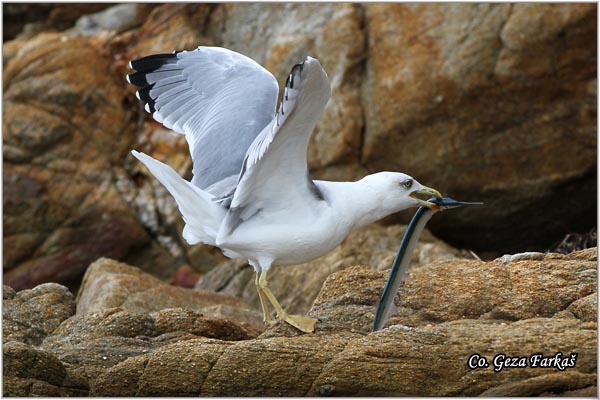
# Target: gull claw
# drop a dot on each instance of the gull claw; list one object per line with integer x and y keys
{"x": 305, "y": 324}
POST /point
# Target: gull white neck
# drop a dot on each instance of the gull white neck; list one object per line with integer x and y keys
{"x": 357, "y": 204}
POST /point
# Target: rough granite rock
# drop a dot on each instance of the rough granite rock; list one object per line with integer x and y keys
{"x": 27, "y": 19}
{"x": 31, "y": 372}
{"x": 344, "y": 358}
{"x": 109, "y": 284}
{"x": 63, "y": 137}
{"x": 31, "y": 315}
{"x": 491, "y": 102}
{"x": 488, "y": 102}
{"x": 172, "y": 352}
{"x": 297, "y": 286}
{"x": 90, "y": 343}
{"x": 393, "y": 362}
{"x": 117, "y": 18}
{"x": 446, "y": 291}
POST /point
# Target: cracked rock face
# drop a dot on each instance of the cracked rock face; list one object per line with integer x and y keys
{"x": 64, "y": 137}
{"x": 503, "y": 99}
{"x": 492, "y": 102}
{"x": 446, "y": 312}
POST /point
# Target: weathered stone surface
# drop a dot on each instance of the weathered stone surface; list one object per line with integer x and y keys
{"x": 445, "y": 291}
{"x": 117, "y": 18}
{"x": 297, "y": 286}
{"x": 108, "y": 284}
{"x": 586, "y": 308}
{"x": 372, "y": 366}
{"x": 330, "y": 32}
{"x": 362, "y": 363}
{"x": 90, "y": 343}
{"x": 30, "y": 372}
{"x": 188, "y": 363}
{"x": 31, "y": 315}
{"x": 26, "y": 19}
{"x": 489, "y": 102}
{"x": 518, "y": 308}
{"x": 171, "y": 27}
{"x": 566, "y": 383}
{"x": 349, "y": 364}
{"x": 63, "y": 138}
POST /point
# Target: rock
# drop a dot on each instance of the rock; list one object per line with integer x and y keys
{"x": 189, "y": 362}
{"x": 586, "y": 308}
{"x": 348, "y": 299}
{"x": 564, "y": 382}
{"x": 171, "y": 27}
{"x": 297, "y": 286}
{"x": 63, "y": 141}
{"x": 495, "y": 103}
{"x": 444, "y": 349}
{"x": 29, "y": 372}
{"x": 186, "y": 277}
{"x": 117, "y": 18}
{"x": 450, "y": 290}
{"x": 518, "y": 309}
{"x": 31, "y": 315}
{"x": 445, "y": 291}
{"x": 347, "y": 364}
{"x": 92, "y": 342}
{"x": 108, "y": 284}
{"x": 281, "y": 35}
{"x": 590, "y": 254}
{"x": 31, "y": 18}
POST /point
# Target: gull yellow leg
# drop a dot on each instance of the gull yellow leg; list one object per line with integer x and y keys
{"x": 305, "y": 324}
{"x": 263, "y": 301}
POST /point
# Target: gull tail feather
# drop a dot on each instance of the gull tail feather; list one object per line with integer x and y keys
{"x": 201, "y": 214}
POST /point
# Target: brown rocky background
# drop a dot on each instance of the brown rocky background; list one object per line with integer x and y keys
{"x": 489, "y": 102}
{"x": 485, "y": 102}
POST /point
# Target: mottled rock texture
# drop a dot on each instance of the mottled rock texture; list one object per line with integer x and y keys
{"x": 64, "y": 137}
{"x": 109, "y": 284}
{"x": 447, "y": 311}
{"x": 490, "y": 102}
{"x": 31, "y": 315}
{"x": 428, "y": 341}
{"x": 503, "y": 99}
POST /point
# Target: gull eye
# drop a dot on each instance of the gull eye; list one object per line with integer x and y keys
{"x": 407, "y": 183}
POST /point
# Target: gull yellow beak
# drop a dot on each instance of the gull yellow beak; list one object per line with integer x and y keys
{"x": 425, "y": 192}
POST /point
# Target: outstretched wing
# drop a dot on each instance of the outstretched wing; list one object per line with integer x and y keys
{"x": 219, "y": 99}
{"x": 274, "y": 172}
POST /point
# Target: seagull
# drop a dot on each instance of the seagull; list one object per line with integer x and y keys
{"x": 251, "y": 194}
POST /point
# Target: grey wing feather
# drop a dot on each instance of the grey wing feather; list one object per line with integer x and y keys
{"x": 275, "y": 173}
{"x": 219, "y": 99}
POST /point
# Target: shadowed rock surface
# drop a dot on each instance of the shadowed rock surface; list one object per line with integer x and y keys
{"x": 490, "y": 102}
{"x": 503, "y": 97}
{"x": 447, "y": 311}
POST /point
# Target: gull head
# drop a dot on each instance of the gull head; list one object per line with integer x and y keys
{"x": 398, "y": 191}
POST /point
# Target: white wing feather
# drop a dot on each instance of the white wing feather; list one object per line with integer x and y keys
{"x": 219, "y": 99}
{"x": 275, "y": 171}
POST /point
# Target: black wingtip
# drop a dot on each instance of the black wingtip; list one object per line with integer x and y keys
{"x": 138, "y": 79}
{"x": 152, "y": 62}
{"x": 144, "y": 93}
